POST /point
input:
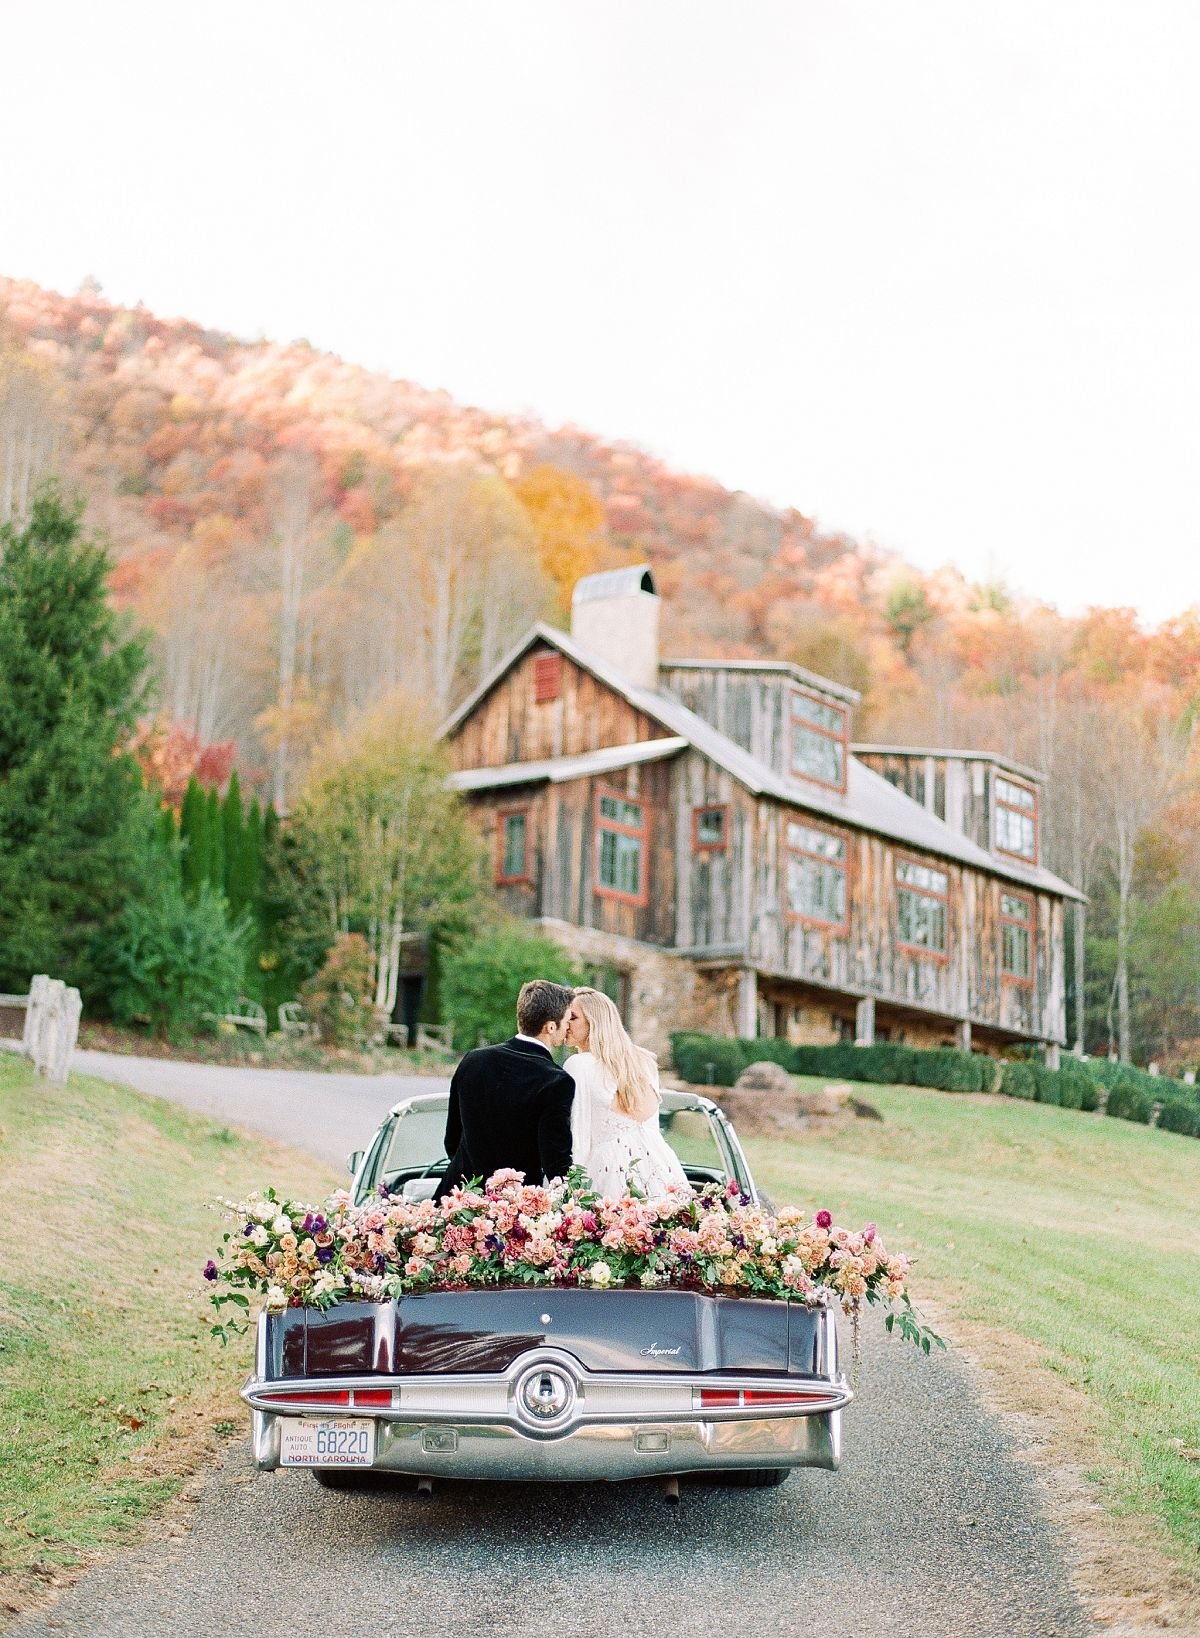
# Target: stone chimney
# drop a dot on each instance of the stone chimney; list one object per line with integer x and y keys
{"x": 614, "y": 616}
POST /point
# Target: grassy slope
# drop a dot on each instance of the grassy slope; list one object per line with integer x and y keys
{"x": 1076, "y": 1232}
{"x": 109, "y": 1382}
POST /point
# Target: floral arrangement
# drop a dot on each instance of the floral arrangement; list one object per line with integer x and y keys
{"x": 509, "y": 1232}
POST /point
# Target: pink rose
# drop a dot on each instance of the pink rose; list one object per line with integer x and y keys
{"x": 824, "y": 1219}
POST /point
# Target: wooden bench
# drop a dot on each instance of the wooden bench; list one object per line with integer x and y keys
{"x": 294, "y": 1022}
{"x": 246, "y": 1014}
{"x": 435, "y": 1038}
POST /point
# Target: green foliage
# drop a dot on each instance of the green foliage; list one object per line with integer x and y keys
{"x": 480, "y": 978}
{"x": 1127, "y": 1100}
{"x": 193, "y": 833}
{"x": 77, "y": 832}
{"x": 1046, "y": 1087}
{"x": 175, "y": 959}
{"x": 1018, "y": 1081}
{"x": 1180, "y": 1115}
{"x": 948, "y": 1070}
{"x": 340, "y": 997}
{"x": 233, "y": 834}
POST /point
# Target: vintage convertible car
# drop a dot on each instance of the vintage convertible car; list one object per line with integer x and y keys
{"x": 548, "y": 1383}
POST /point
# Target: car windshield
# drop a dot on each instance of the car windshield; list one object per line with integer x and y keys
{"x": 412, "y": 1147}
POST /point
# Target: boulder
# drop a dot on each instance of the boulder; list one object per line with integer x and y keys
{"x": 766, "y": 1101}
{"x": 766, "y": 1077}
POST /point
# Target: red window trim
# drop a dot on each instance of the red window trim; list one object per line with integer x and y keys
{"x": 710, "y": 847}
{"x": 642, "y": 897}
{"x": 502, "y": 815}
{"x": 800, "y": 818}
{"x": 1033, "y": 813}
{"x": 547, "y": 665}
{"x": 1030, "y": 927}
{"x": 843, "y": 739}
{"x": 925, "y": 892}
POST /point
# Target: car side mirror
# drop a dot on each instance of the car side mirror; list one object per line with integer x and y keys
{"x": 354, "y": 1161}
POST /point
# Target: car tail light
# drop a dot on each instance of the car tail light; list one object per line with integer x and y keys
{"x": 311, "y": 1396}
{"x": 764, "y": 1396}
{"x": 372, "y": 1396}
{"x": 710, "y": 1398}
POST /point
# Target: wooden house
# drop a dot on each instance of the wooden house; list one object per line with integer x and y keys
{"x": 707, "y": 840}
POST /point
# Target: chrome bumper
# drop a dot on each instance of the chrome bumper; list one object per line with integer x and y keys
{"x": 593, "y": 1451}
{"x": 549, "y": 1418}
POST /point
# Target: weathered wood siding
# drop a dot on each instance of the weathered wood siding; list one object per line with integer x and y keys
{"x": 752, "y": 707}
{"x": 956, "y": 789}
{"x": 563, "y": 843}
{"x": 867, "y": 958}
{"x": 714, "y": 884}
{"x": 511, "y": 725}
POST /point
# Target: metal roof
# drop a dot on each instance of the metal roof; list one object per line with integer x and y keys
{"x": 869, "y": 802}
{"x": 557, "y": 770}
{"x": 614, "y": 583}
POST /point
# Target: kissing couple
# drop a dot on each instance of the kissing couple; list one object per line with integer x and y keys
{"x": 511, "y": 1106}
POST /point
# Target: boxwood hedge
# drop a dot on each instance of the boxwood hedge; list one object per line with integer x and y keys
{"x": 719, "y": 1060}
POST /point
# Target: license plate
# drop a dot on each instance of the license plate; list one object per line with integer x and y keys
{"x": 307, "y": 1441}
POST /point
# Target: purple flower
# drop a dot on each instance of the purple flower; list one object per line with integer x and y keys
{"x": 211, "y": 1271}
{"x": 325, "y": 1254}
{"x": 307, "y": 1224}
{"x": 824, "y": 1219}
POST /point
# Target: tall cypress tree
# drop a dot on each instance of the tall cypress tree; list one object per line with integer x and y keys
{"x": 234, "y": 832}
{"x": 193, "y": 830}
{"x": 216, "y": 841}
{"x": 76, "y": 828}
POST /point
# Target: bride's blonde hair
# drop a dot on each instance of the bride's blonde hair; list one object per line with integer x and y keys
{"x": 633, "y": 1068}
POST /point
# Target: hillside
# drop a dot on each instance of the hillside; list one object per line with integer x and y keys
{"x": 304, "y": 537}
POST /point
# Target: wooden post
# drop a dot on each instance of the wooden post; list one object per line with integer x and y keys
{"x": 864, "y": 1022}
{"x": 1050, "y": 1054}
{"x": 964, "y": 1035}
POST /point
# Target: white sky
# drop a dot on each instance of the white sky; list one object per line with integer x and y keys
{"x": 926, "y": 269}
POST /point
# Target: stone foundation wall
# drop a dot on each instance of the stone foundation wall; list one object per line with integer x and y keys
{"x": 666, "y": 991}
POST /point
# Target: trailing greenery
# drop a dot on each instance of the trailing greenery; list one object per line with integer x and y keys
{"x": 479, "y": 978}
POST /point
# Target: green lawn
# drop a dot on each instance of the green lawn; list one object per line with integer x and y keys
{"x": 1076, "y": 1232}
{"x": 110, "y": 1387}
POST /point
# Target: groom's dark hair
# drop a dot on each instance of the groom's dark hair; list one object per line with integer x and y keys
{"x": 540, "y": 1003}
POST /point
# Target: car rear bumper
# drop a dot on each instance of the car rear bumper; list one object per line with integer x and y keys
{"x": 591, "y": 1451}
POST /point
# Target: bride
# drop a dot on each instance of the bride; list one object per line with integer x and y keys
{"x": 614, "y": 1114}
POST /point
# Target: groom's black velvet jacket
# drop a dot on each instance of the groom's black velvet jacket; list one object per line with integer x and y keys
{"x": 510, "y": 1105}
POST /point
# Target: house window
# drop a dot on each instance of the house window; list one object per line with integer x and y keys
{"x": 620, "y": 847}
{"x": 816, "y": 874}
{"x": 710, "y": 827}
{"x": 1016, "y": 936}
{"x": 922, "y": 907}
{"x": 512, "y": 846}
{"x": 819, "y": 739}
{"x": 547, "y": 678}
{"x": 1016, "y": 819}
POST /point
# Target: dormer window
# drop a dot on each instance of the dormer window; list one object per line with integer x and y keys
{"x": 1016, "y": 819}
{"x": 820, "y": 731}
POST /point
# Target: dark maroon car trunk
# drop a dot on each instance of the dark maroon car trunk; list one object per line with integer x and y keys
{"x": 469, "y": 1331}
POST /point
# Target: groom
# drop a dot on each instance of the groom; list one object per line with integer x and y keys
{"x": 510, "y": 1105}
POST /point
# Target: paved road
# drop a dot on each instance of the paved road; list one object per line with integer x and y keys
{"x": 933, "y": 1525}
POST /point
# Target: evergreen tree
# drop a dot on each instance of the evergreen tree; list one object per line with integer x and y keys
{"x": 216, "y": 842}
{"x": 193, "y": 830}
{"x": 233, "y": 831}
{"x": 77, "y": 831}
{"x": 248, "y": 879}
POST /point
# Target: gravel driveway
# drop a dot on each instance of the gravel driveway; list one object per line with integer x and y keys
{"x": 933, "y": 1526}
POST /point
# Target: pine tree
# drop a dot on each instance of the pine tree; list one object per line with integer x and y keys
{"x": 77, "y": 831}
{"x": 233, "y": 830}
{"x": 193, "y": 830}
{"x": 249, "y": 872}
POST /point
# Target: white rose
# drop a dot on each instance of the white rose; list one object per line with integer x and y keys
{"x": 600, "y": 1274}
{"x": 769, "y": 1247}
{"x": 276, "y": 1299}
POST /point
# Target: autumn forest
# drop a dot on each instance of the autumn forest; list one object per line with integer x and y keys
{"x": 308, "y": 545}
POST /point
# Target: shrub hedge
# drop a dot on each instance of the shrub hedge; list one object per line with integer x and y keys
{"x": 1132, "y": 1093}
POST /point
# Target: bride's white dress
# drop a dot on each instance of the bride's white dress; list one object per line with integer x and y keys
{"x": 614, "y": 1149}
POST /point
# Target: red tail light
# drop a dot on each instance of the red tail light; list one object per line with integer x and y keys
{"x": 372, "y": 1396}
{"x": 764, "y": 1396}
{"x": 710, "y": 1398}
{"x": 311, "y": 1396}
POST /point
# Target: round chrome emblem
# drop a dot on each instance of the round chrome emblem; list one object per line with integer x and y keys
{"x": 547, "y": 1393}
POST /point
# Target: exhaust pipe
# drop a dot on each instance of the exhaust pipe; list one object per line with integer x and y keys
{"x": 425, "y": 1486}
{"x": 670, "y": 1490}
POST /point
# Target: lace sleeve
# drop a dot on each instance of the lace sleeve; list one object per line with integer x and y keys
{"x": 581, "y": 1110}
